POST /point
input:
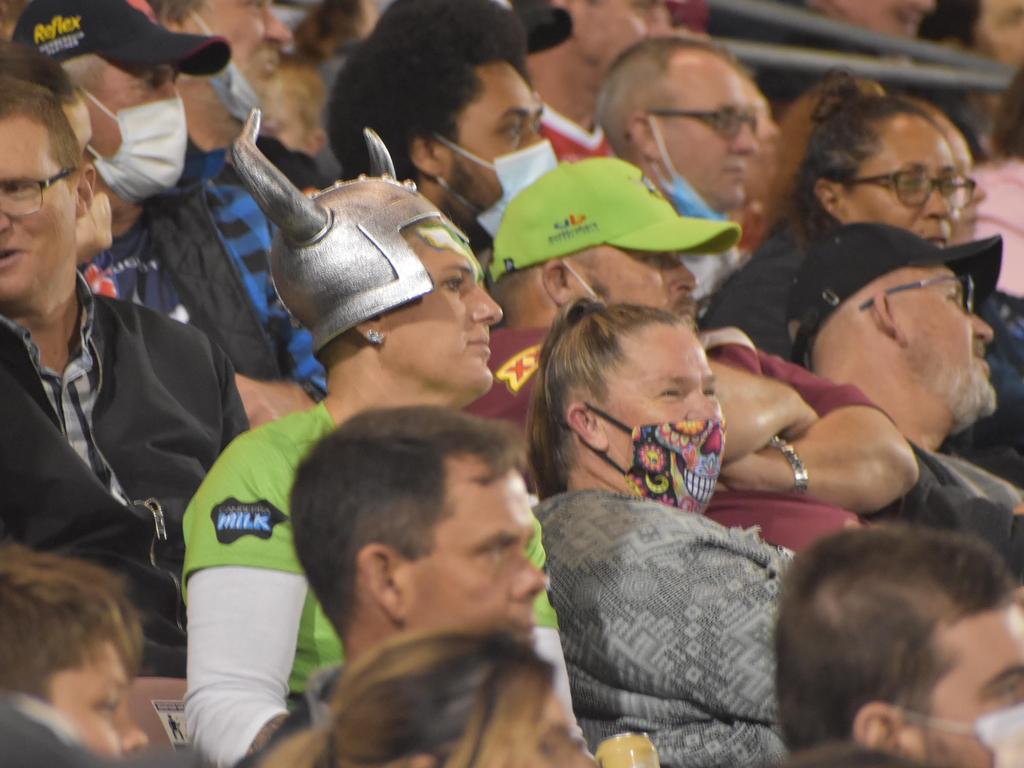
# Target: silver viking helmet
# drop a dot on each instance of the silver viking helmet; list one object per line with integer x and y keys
{"x": 338, "y": 258}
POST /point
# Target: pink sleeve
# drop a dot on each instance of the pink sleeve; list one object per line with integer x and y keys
{"x": 999, "y": 213}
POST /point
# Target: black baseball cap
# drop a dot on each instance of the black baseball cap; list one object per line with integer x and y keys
{"x": 841, "y": 264}
{"x": 124, "y": 31}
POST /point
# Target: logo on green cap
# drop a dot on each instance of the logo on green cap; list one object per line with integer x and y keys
{"x": 571, "y": 226}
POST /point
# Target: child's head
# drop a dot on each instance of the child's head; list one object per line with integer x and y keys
{"x": 69, "y": 636}
{"x": 293, "y": 103}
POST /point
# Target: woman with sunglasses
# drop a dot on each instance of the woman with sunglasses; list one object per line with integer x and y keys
{"x": 871, "y": 157}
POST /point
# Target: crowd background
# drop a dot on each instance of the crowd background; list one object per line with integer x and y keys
{"x": 649, "y": 365}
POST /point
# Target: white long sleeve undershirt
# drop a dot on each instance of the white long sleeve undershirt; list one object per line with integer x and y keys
{"x": 240, "y": 660}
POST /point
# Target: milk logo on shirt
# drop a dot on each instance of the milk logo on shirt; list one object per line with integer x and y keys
{"x": 233, "y": 519}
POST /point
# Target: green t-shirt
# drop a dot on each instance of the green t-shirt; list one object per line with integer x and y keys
{"x": 240, "y": 516}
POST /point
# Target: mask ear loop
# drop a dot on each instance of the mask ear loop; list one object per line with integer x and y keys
{"x": 100, "y": 105}
{"x": 615, "y": 423}
{"x": 200, "y": 22}
{"x": 443, "y": 183}
{"x": 462, "y": 199}
{"x": 666, "y": 160}
{"x": 464, "y": 152}
{"x": 584, "y": 283}
{"x": 102, "y": 108}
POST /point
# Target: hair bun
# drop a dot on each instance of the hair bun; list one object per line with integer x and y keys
{"x": 838, "y": 89}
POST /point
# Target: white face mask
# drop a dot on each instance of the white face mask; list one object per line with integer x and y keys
{"x": 1003, "y": 733}
{"x": 515, "y": 170}
{"x": 152, "y": 152}
{"x": 232, "y": 87}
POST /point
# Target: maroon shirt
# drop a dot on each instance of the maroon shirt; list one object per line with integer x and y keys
{"x": 515, "y": 355}
{"x": 793, "y": 520}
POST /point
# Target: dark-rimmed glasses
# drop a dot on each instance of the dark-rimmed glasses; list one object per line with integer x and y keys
{"x": 913, "y": 187}
{"x": 965, "y": 292}
{"x": 727, "y": 122}
{"x": 23, "y": 197}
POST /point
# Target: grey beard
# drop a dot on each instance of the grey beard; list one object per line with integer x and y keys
{"x": 968, "y": 393}
{"x": 976, "y": 401}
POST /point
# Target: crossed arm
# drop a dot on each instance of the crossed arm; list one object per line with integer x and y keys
{"x": 854, "y": 455}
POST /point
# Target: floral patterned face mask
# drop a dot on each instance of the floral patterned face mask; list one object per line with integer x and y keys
{"x": 676, "y": 463}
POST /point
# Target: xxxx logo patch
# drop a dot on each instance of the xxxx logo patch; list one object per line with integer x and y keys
{"x": 516, "y": 371}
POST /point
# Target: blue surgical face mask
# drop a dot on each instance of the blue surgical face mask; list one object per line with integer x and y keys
{"x": 515, "y": 170}
{"x": 684, "y": 198}
{"x": 232, "y": 87}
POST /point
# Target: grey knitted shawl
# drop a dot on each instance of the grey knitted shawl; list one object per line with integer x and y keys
{"x": 666, "y": 620}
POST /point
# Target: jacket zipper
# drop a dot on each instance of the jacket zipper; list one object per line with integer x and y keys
{"x": 160, "y": 534}
{"x": 151, "y": 504}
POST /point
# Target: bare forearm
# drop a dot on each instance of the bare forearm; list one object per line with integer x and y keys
{"x": 861, "y": 460}
{"x": 854, "y": 457}
{"x": 756, "y": 409}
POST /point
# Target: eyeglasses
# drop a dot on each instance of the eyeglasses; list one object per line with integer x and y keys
{"x": 913, "y": 187}
{"x": 727, "y": 122}
{"x": 23, "y": 197}
{"x": 965, "y": 289}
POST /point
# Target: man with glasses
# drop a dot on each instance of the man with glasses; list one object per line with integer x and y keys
{"x": 112, "y": 414}
{"x": 906, "y": 641}
{"x": 681, "y": 110}
{"x": 678, "y": 108}
{"x": 460, "y": 117}
{"x": 880, "y": 308}
{"x": 189, "y": 240}
{"x": 804, "y": 456}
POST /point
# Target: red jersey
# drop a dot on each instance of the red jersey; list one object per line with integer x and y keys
{"x": 570, "y": 141}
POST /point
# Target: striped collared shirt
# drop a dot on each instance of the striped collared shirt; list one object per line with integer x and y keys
{"x": 73, "y": 393}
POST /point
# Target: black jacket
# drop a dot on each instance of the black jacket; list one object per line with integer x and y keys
{"x": 166, "y": 407}
{"x": 755, "y": 298}
{"x": 184, "y": 241}
{"x": 938, "y": 501}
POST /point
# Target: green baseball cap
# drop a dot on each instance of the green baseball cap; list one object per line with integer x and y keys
{"x": 598, "y": 201}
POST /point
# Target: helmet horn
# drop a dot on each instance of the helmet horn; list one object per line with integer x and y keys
{"x": 301, "y": 220}
{"x": 380, "y": 158}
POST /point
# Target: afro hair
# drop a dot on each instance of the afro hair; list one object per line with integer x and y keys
{"x": 415, "y": 74}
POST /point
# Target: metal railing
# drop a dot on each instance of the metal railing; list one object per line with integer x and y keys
{"x": 791, "y": 18}
{"x": 886, "y": 70}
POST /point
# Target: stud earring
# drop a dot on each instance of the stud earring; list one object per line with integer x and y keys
{"x": 375, "y": 337}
